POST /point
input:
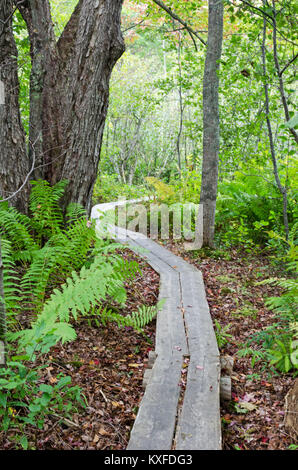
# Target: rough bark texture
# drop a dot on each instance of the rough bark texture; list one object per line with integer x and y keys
{"x": 291, "y": 408}
{"x": 98, "y": 45}
{"x": 45, "y": 136}
{"x": 13, "y": 160}
{"x": 211, "y": 119}
{"x": 69, "y": 91}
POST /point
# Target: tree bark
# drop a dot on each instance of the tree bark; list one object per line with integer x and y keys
{"x": 211, "y": 120}
{"x": 69, "y": 92}
{"x": 13, "y": 160}
{"x": 98, "y": 45}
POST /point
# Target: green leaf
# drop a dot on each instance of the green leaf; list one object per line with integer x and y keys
{"x": 3, "y": 399}
{"x": 46, "y": 388}
{"x": 34, "y": 408}
{"x": 292, "y": 122}
{"x": 64, "y": 381}
{"x": 24, "y": 442}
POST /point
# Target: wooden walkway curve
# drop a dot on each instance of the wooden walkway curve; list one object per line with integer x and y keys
{"x": 169, "y": 418}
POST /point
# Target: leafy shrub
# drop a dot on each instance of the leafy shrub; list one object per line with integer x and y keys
{"x": 279, "y": 342}
{"x": 24, "y": 400}
{"x": 108, "y": 188}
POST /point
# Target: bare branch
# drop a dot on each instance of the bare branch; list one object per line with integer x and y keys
{"x": 9, "y": 198}
{"x": 135, "y": 25}
{"x": 288, "y": 64}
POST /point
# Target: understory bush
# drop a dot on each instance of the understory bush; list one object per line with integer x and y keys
{"x": 278, "y": 344}
{"x": 108, "y": 188}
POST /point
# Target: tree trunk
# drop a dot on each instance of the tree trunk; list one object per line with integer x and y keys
{"x": 281, "y": 188}
{"x": 211, "y": 120}
{"x": 13, "y": 159}
{"x": 69, "y": 92}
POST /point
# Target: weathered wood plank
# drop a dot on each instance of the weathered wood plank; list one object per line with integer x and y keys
{"x": 170, "y": 333}
{"x": 199, "y": 425}
{"x": 157, "y": 263}
{"x": 174, "y": 261}
{"x": 197, "y": 315}
{"x": 154, "y": 426}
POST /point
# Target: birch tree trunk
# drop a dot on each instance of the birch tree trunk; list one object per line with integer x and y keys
{"x": 211, "y": 120}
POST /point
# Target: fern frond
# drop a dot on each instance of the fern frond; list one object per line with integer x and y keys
{"x": 12, "y": 292}
{"x": 137, "y": 320}
{"x": 74, "y": 212}
{"x": 17, "y": 228}
{"x": 44, "y": 206}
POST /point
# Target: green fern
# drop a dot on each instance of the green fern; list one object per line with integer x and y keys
{"x": 17, "y": 228}
{"x": 44, "y": 206}
{"x": 81, "y": 293}
{"x": 45, "y": 244}
{"x": 52, "y": 249}
{"x": 12, "y": 292}
{"x": 137, "y": 320}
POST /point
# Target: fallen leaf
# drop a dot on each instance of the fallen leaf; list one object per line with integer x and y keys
{"x": 103, "y": 432}
{"x": 247, "y": 406}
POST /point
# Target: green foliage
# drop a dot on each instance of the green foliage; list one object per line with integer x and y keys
{"x": 52, "y": 249}
{"x": 279, "y": 342}
{"x": 221, "y": 333}
{"x": 137, "y": 320}
{"x": 108, "y": 188}
{"x": 165, "y": 193}
{"x": 284, "y": 356}
{"x": 48, "y": 246}
{"x": 184, "y": 189}
{"x": 24, "y": 400}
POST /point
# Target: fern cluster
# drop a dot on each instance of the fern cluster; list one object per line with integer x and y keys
{"x": 45, "y": 244}
{"x": 52, "y": 253}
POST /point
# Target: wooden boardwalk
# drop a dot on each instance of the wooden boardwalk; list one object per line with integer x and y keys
{"x": 169, "y": 417}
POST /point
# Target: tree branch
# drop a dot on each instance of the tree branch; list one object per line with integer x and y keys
{"x": 170, "y": 12}
{"x": 269, "y": 19}
{"x": 288, "y": 64}
{"x": 280, "y": 79}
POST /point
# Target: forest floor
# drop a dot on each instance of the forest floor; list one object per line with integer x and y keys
{"x": 107, "y": 363}
{"x": 253, "y": 420}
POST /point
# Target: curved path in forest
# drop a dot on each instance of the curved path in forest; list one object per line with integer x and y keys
{"x": 172, "y": 416}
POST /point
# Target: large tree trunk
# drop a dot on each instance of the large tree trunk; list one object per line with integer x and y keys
{"x": 211, "y": 120}
{"x": 13, "y": 160}
{"x": 69, "y": 91}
